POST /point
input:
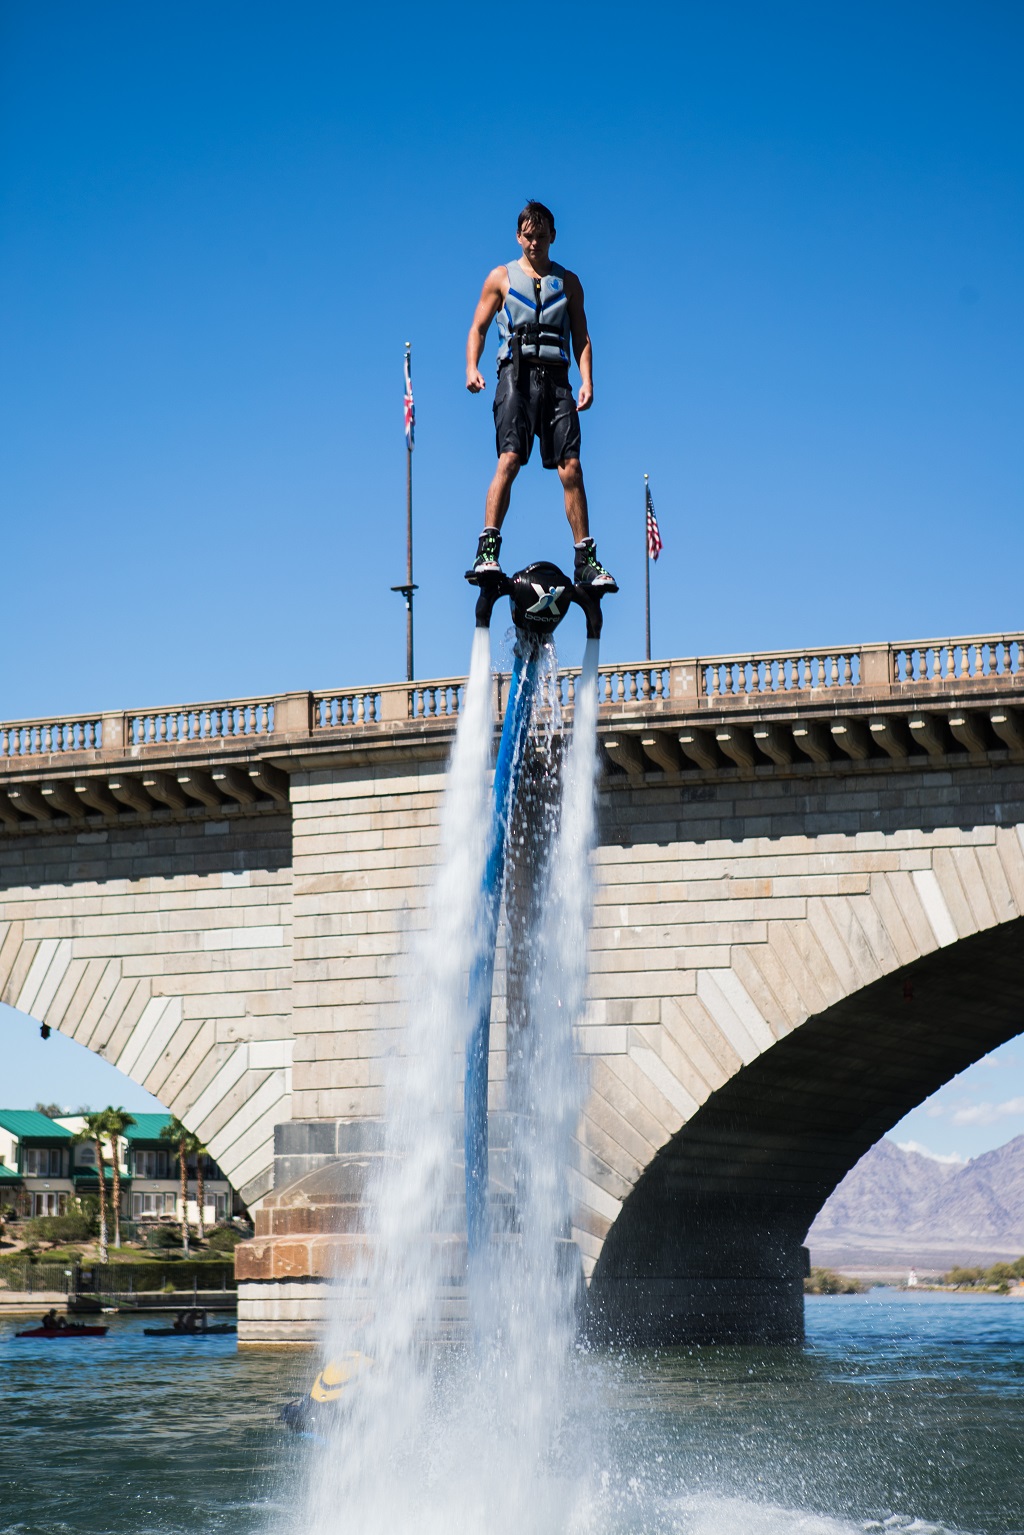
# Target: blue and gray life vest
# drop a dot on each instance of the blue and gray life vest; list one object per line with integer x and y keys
{"x": 537, "y": 320}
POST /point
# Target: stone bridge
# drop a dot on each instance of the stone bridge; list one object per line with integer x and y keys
{"x": 810, "y": 914}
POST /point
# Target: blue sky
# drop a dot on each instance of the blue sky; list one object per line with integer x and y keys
{"x": 980, "y": 1109}
{"x": 56, "y": 1070}
{"x": 800, "y": 230}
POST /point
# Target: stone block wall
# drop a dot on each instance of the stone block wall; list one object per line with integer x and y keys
{"x": 365, "y": 847}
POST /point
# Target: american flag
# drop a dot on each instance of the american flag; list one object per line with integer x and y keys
{"x": 410, "y": 408}
{"x": 654, "y": 544}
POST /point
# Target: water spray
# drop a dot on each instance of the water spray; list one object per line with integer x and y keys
{"x": 540, "y": 596}
{"x": 421, "y": 1436}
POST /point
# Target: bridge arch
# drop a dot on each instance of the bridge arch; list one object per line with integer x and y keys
{"x": 165, "y": 949}
{"x": 840, "y": 1021}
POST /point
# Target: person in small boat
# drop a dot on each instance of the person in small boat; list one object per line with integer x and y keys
{"x": 52, "y": 1321}
{"x": 192, "y": 1320}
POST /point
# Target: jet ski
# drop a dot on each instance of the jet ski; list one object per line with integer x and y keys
{"x": 315, "y": 1414}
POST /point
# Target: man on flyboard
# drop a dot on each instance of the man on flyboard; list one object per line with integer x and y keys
{"x": 539, "y": 306}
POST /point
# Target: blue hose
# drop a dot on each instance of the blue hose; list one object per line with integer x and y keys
{"x": 481, "y": 981}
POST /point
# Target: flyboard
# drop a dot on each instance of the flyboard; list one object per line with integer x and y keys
{"x": 540, "y": 596}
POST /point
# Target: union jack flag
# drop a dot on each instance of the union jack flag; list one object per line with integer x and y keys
{"x": 410, "y": 408}
{"x": 654, "y": 544}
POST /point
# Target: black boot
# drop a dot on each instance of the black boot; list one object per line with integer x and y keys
{"x": 589, "y": 571}
{"x": 488, "y": 550}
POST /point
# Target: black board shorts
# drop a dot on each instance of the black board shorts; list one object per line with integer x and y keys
{"x": 542, "y": 405}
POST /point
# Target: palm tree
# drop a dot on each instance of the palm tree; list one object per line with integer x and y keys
{"x": 117, "y": 1121}
{"x": 180, "y": 1134}
{"x": 95, "y": 1129}
{"x": 199, "y": 1151}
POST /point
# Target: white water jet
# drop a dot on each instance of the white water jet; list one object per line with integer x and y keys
{"x": 393, "y": 1299}
{"x": 521, "y": 1471}
{"x": 539, "y": 1286}
{"x": 469, "y": 1437}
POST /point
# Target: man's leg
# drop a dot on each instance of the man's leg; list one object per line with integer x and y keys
{"x": 571, "y": 475}
{"x": 488, "y": 548}
{"x": 588, "y": 568}
{"x": 500, "y": 490}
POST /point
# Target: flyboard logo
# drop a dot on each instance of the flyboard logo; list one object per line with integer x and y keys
{"x": 547, "y": 602}
{"x": 556, "y": 283}
{"x": 541, "y": 596}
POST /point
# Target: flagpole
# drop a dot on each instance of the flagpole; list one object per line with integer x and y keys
{"x": 647, "y": 578}
{"x": 410, "y": 586}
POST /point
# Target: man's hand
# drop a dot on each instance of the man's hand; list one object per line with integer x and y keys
{"x": 475, "y": 380}
{"x": 585, "y": 398}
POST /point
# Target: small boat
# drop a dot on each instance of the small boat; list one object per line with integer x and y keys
{"x": 194, "y": 1322}
{"x": 188, "y": 1332}
{"x": 72, "y": 1330}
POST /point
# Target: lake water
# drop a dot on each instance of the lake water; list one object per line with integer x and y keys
{"x": 903, "y": 1412}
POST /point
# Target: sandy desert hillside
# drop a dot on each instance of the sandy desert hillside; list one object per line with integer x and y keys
{"x": 901, "y": 1209}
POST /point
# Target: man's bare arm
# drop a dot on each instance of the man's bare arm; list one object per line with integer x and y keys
{"x": 491, "y": 300}
{"x": 581, "y": 347}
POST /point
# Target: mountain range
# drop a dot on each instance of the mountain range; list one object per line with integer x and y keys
{"x": 898, "y": 1209}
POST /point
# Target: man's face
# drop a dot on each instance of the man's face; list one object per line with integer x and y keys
{"x": 534, "y": 239}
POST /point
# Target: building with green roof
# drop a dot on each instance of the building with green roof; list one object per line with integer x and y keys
{"x": 36, "y": 1162}
{"x": 44, "y": 1164}
{"x": 35, "y": 1125}
{"x": 147, "y": 1127}
{"x": 150, "y": 1176}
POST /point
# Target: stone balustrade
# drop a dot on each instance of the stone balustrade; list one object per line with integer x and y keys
{"x": 44, "y": 738}
{"x": 796, "y": 710}
{"x": 969, "y": 659}
{"x": 197, "y": 722}
{"x": 790, "y": 672}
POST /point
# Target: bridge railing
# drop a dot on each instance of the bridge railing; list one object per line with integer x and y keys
{"x": 961, "y": 660}
{"x": 940, "y": 663}
{"x": 789, "y": 671}
{"x": 707, "y": 682}
{"x": 345, "y": 708}
{"x": 36, "y": 738}
{"x": 199, "y": 722}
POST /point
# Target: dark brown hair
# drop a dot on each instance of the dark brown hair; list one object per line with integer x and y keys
{"x": 535, "y": 213}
